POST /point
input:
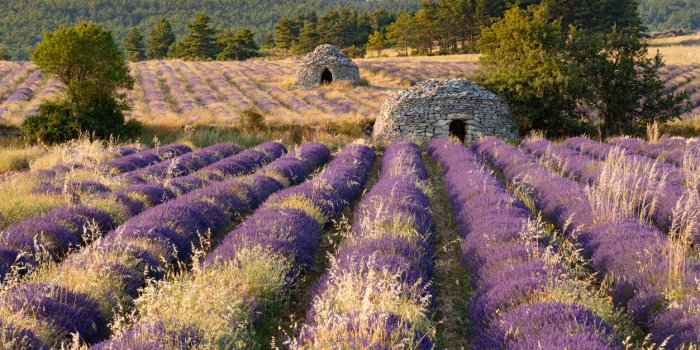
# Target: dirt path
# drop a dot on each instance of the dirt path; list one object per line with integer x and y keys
{"x": 451, "y": 284}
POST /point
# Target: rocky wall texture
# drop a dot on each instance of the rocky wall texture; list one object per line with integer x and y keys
{"x": 426, "y": 110}
{"x": 341, "y": 67}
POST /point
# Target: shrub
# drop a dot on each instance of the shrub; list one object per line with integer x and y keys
{"x": 18, "y": 158}
{"x": 355, "y": 52}
{"x": 59, "y": 121}
{"x": 53, "y": 124}
{"x": 252, "y": 120}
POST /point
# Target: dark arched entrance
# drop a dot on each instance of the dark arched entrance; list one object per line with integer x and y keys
{"x": 326, "y": 77}
{"x": 458, "y": 129}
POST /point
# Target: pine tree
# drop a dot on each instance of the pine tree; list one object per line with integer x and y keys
{"x": 285, "y": 34}
{"x": 161, "y": 38}
{"x": 401, "y": 33}
{"x": 268, "y": 42}
{"x": 308, "y": 38}
{"x": 199, "y": 43}
{"x": 133, "y": 45}
{"x": 246, "y": 42}
{"x": 376, "y": 42}
{"x": 236, "y": 46}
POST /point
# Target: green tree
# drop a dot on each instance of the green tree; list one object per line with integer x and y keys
{"x": 376, "y": 42}
{"x": 623, "y": 87}
{"x": 133, "y": 45}
{"x": 199, "y": 43}
{"x": 308, "y": 38}
{"x": 86, "y": 59}
{"x": 236, "y": 46}
{"x": 160, "y": 40}
{"x": 401, "y": 33}
{"x": 523, "y": 60}
{"x": 285, "y": 34}
{"x": 4, "y": 55}
{"x": 268, "y": 42}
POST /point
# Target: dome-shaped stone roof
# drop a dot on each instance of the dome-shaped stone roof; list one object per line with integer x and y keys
{"x": 326, "y": 64}
{"x": 435, "y": 108}
{"x": 454, "y": 88}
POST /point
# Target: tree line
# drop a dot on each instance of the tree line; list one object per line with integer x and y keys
{"x": 23, "y": 22}
{"x": 203, "y": 42}
{"x": 436, "y": 27}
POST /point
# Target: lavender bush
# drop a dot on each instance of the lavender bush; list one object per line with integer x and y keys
{"x": 651, "y": 278}
{"x": 515, "y": 278}
{"x": 385, "y": 259}
{"x": 219, "y": 320}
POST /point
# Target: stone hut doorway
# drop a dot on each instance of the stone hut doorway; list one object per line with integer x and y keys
{"x": 458, "y": 129}
{"x": 326, "y": 77}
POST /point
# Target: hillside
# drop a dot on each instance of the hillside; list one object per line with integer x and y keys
{"x": 659, "y": 15}
{"x": 23, "y": 22}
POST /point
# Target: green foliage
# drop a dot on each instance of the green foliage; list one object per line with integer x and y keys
{"x": 309, "y": 38}
{"x": 22, "y": 22}
{"x": 285, "y": 34}
{"x": 401, "y": 33}
{"x": 53, "y": 124}
{"x": 623, "y": 86}
{"x": 160, "y": 40}
{"x": 269, "y": 41}
{"x": 659, "y": 15}
{"x": 522, "y": 59}
{"x": 567, "y": 81}
{"x": 4, "y": 55}
{"x": 236, "y": 46}
{"x": 133, "y": 45}
{"x": 199, "y": 43}
{"x": 86, "y": 59}
{"x": 355, "y": 52}
{"x": 376, "y": 42}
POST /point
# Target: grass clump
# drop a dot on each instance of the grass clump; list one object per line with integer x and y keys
{"x": 18, "y": 159}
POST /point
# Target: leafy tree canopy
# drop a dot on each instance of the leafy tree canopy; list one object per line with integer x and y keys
{"x": 568, "y": 80}
{"x": 87, "y": 61}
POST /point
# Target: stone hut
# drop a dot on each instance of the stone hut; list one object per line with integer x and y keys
{"x": 325, "y": 65}
{"x": 434, "y": 108}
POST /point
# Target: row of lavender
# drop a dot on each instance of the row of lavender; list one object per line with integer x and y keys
{"x": 673, "y": 150}
{"x": 513, "y": 277}
{"x": 376, "y": 293}
{"x": 251, "y": 270}
{"x": 83, "y": 294}
{"x": 655, "y": 289}
{"x": 651, "y": 191}
{"x": 26, "y": 243}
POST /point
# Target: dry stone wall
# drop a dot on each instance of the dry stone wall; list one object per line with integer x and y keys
{"x": 341, "y": 67}
{"x": 426, "y": 111}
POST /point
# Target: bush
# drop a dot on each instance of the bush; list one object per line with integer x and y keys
{"x": 58, "y": 122}
{"x": 355, "y": 52}
{"x": 251, "y": 120}
{"x": 54, "y": 123}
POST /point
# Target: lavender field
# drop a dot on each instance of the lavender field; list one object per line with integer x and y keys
{"x": 492, "y": 246}
{"x": 186, "y": 92}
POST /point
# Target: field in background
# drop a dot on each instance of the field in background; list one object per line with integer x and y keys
{"x": 201, "y": 92}
{"x": 177, "y": 93}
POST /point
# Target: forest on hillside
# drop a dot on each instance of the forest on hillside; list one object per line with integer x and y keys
{"x": 659, "y": 15}
{"x": 23, "y": 22}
